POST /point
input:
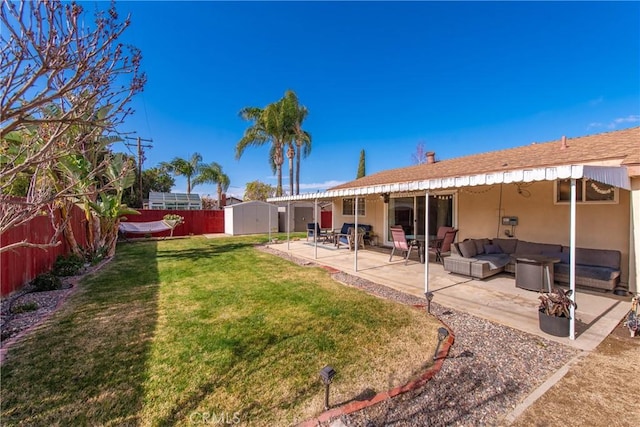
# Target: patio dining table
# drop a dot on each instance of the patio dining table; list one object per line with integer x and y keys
{"x": 420, "y": 240}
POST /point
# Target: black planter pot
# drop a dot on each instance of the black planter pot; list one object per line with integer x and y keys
{"x": 554, "y": 325}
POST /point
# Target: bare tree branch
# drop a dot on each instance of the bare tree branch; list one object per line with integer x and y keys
{"x": 63, "y": 84}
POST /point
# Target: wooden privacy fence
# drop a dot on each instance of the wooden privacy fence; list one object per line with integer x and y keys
{"x": 195, "y": 222}
{"x": 19, "y": 267}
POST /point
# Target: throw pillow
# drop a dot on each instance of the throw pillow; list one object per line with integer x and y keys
{"x": 480, "y": 243}
{"x": 467, "y": 248}
{"x": 492, "y": 249}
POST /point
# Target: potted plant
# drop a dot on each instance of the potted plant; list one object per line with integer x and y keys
{"x": 554, "y": 312}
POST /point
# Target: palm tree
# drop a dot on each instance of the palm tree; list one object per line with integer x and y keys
{"x": 213, "y": 174}
{"x": 271, "y": 124}
{"x": 187, "y": 168}
{"x": 302, "y": 138}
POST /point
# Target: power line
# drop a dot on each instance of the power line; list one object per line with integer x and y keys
{"x": 141, "y": 158}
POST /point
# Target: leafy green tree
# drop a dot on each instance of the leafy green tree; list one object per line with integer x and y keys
{"x": 187, "y": 168}
{"x": 213, "y": 174}
{"x": 153, "y": 179}
{"x": 361, "y": 168}
{"x": 257, "y": 190}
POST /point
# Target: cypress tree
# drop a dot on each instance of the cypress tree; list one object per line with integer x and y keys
{"x": 361, "y": 170}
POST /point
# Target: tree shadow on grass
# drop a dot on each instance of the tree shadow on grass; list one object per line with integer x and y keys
{"x": 210, "y": 251}
{"x": 87, "y": 365}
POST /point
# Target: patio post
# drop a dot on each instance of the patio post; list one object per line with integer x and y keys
{"x": 572, "y": 260}
{"x": 288, "y": 221}
{"x": 355, "y": 238}
{"x": 315, "y": 229}
{"x": 426, "y": 242}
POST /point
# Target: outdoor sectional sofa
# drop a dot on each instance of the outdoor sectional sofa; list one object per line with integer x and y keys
{"x": 482, "y": 258}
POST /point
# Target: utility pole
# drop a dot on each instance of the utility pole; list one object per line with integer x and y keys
{"x": 141, "y": 159}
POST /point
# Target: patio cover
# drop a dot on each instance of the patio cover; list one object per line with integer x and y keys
{"x": 616, "y": 176}
{"x": 612, "y": 175}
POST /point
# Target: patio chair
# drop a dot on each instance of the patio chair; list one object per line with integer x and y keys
{"x": 311, "y": 232}
{"x": 349, "y": 238}
{"x": 400, "y": 242}
{"x": 443, "y": 246}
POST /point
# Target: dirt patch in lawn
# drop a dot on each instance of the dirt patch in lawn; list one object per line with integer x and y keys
{"x": 602, "y": 389}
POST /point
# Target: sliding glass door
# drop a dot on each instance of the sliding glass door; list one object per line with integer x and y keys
{"x": 409, "y": 213}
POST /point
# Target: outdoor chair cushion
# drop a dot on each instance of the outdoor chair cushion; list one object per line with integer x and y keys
{"x": 531, "y": 248}
{"x": 492, "y": 249}
{"x": 508, "y": 246}
{"x": 467, "y": 248}
{"x": 598, "y": 257}
{"x": 590, "y": 271}
{"x": 480, "y": 245}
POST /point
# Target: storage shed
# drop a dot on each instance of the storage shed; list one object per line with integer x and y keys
{"x": 250, "y": 217}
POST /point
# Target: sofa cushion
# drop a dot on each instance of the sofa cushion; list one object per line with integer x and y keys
{"x": 598, "y": 257}
{"x": 480, "y": 243}
{"x": 532, "y": 248}
{"x": 508, "y": 246}
{"x": 589, "y": 271}
{"x": 492, "y": 249}
{"x": 467, "y": 248}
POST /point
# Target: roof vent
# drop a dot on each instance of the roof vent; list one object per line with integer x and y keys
{"x": 431, "y": 157}
{"x": 563, "y": 145}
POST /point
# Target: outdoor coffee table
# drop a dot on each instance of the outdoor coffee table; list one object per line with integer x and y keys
{"x": 534, "y": 271}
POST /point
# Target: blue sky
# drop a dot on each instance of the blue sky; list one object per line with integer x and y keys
{"x": 459, "y": 77}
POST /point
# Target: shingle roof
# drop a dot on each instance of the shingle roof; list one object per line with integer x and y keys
{"x": 619, "y": 147}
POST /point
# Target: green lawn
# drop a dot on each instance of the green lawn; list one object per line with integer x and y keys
{"x": 184, "y": 331}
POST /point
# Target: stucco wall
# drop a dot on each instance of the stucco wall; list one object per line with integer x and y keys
{"x": 374, "y": 215}
{"x": 604, "y": 226}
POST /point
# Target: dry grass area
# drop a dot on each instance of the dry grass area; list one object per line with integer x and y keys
{"x": 602, "y": 389}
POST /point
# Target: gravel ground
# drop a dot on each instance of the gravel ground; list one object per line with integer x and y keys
{"x": 12, "y": 322}
{"x": 489, "y": 370}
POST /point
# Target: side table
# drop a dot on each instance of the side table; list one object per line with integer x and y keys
{"x": 534, "y": 272}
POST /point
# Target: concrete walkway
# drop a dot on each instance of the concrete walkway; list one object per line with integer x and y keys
{"x": 496, "y": 299}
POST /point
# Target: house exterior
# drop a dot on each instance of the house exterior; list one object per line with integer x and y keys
{"x": 523, "y": 192}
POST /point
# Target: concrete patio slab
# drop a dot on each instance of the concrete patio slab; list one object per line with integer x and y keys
{"x": 496, "y": 299}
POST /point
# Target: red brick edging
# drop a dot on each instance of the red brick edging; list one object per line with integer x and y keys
{"x": 412, "y": 385}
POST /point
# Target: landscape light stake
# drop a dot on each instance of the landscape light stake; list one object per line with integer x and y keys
{"x": 442, "y": 334}
{"x": 429, "y": 296}
{"x": 326, "y": 374}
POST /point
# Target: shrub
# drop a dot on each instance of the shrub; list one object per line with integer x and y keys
{"x": 26, "y": 307}
{"x": 46, "y": 282}
{"x": 67, "y": 266}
